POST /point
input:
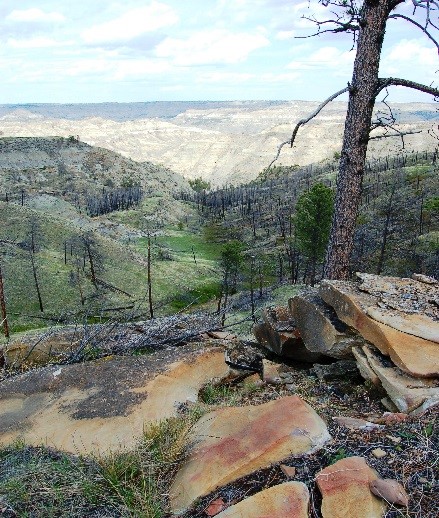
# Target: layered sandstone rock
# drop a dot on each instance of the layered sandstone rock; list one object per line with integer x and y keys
{"x": 233, "y": 442}
{"x": 319, "y": 327}
{"x": 406, "y": 392}
{"x": 413, "y": 354}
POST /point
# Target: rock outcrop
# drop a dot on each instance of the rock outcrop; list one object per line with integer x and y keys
{"x": 232, "y": 442}
{"x": 410, "y": 352}
{"x": 388, "y": 325}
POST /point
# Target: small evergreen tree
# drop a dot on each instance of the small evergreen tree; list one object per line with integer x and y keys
{"x": 312, "y": 223}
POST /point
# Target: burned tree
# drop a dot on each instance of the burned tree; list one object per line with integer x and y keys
{"x": 366, "y": 20}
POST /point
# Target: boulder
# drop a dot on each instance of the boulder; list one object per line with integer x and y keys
{"x": 345, "y": 490}
{"x": 406, "y": 392}
{"x": 279, "y": 335}
{"x": 287, "y": 499}
{"x": 320, "y": 328}
{"x": 103, "y": 405}
{"x": 232, "y": 442}
{"x": 414, "y": 355}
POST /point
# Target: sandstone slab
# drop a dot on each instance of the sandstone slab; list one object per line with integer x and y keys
{"x": 406, "y": 392}
{"x": 288, "y": 499}
{"x": 320, "y": 328}
{"x": 103, "y": 405}
{"x": 345, "y": 487}
{"x": 410, "y": 353}
{"x": 233, "y": 442}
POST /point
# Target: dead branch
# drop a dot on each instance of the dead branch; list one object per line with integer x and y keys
{"x": 414, "y": 22}
{"x": 396, "y": 81}
{"x": 302, "y": 122}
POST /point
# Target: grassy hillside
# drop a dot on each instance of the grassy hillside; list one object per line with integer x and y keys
{"x": 47, "y": 234}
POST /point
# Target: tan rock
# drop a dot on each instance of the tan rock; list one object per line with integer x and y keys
{"x": 288, "y": 471}
{"x": 103, "y": 405}
{"x": 36, "y": 350}
{"x": 406, "y": 392}
{"x": 222, "y": 335}
{"x": 345, "y": 490}
{"x": 288, "y": 499}
{"x": 379, "y": 453}
{"x": 410, "y": 353}
{"x": 233, "y": 442}
{"x": 319, "y": 327}
{"x": 390, "y": 490}
{"x": 424, "y": 278}
{"x": 270, "y": 372}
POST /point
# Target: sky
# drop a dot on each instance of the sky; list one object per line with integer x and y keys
{"x": 188, "y": 50}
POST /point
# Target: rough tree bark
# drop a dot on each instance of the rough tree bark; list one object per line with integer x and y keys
{"x": 362, "y": 94}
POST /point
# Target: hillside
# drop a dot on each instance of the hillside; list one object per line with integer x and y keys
{"x": 47, "y": 189}
{"x": 220, "y": 142}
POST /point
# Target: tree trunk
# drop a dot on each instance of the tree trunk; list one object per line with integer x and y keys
{"x": 151, "y": 309}
{"x": 37, "y": 284}
{"x": 3, "y": 306}
{"x": 362, "y": 93}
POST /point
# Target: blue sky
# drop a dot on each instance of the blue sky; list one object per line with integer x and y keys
{"x": 150, "y": 50}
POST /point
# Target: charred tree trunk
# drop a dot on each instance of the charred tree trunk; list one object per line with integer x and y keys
{"x": 35, "y": 276}
{"x": 362, "y": 94}
{"x": 3, "y": 306}
{"x": 151, "y": 309}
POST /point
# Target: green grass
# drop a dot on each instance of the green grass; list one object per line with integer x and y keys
{"x": 183, "y": 244}
{"x": 44, "y": 482}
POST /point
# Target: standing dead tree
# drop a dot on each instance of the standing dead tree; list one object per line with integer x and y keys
{"x": 366, "y": 20}
{"x": 4, "y": 315}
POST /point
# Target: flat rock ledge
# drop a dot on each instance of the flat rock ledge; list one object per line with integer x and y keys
{"x": 104, "y": 405}
{"x": 232, "y": 442}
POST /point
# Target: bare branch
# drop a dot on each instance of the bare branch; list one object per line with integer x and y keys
{"x": 304, "y": 121}
{"x": 423, "y": 29}
{"x": 396, "y": 81}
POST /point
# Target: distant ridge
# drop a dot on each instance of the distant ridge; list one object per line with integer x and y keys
{"x": 121, "y": 112}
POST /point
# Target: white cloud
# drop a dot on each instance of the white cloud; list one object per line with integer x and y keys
{"x": 324, "y": 58}
{"x": 32, "y": 43}
{"x": 138, "y": 68}
{"x": 412, "y": 52}
{"x": 285, "y": 35}
{"x": 34, "y": 15}
{"x": 132, "y": 24}
{"x": 211, "y": 47}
